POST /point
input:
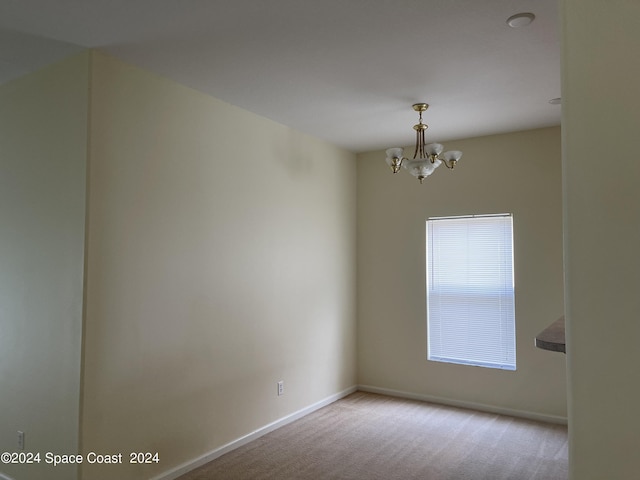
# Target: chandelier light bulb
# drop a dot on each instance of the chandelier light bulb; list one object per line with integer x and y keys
{"x": 433, "y": 149}
{"x": 394, "y": 158}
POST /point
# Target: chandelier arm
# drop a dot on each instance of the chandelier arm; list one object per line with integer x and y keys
{"x": 397, "y": 164}
{"x": 448, "y": 164}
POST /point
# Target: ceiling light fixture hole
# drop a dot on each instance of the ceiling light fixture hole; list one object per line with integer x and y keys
{"x": 520, "y": 20}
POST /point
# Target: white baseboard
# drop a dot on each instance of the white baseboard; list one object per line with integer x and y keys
{"x": 207, "y": 457}
{"x": 540, "y": 417}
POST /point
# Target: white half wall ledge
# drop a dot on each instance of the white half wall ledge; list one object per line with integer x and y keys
{"x": 239, "y": 442}
{"x": 538, "y": 417}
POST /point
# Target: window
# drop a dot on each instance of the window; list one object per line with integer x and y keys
{"x": 470, "y": 291}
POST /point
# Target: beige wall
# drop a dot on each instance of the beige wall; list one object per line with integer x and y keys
{"x": 221, "y": 259}
{"x": 42, "y": 212}
{"x": 601, "y": 115}
{"x": 518, "y": 173}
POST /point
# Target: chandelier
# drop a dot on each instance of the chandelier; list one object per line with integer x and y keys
{"x": 426, "y": 158}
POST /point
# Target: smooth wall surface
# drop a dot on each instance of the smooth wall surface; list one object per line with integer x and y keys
{"x": 601, "y": 115}
{"x": 518, "y": 173}
{"x": 43, "y": 150}
{"x": 221, "y": 259}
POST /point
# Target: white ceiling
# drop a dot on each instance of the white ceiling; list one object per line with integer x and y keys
{"x": 346, "y": 71}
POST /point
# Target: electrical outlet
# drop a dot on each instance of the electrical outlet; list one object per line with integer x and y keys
{"x": 281, "y": 387}
{"x": 20, "y": 440}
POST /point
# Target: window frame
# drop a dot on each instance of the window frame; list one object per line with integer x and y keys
{"x": 497, "y": 295}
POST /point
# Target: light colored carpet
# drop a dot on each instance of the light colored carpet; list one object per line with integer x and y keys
{"x": 374, "y": 437}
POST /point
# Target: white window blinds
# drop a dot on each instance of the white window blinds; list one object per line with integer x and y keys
{"x": 470, "y": 291}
